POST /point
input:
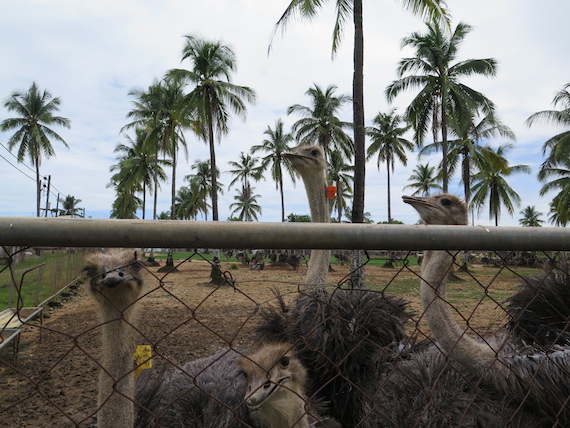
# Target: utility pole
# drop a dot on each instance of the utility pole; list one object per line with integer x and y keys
{"x": 47, "y": 195}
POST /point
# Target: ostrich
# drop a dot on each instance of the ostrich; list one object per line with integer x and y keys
{"x": 537, "y": 382}
{"x": 275, "y": 388}
{"x": 208, "y": 392}
{"x": 343, "y": 337}
{"x": 116, "y": 282}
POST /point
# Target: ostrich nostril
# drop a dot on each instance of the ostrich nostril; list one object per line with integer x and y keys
{"x": 103, "y": 275}
{"x": 121, "y": 274}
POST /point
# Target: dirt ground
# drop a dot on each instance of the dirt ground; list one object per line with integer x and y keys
{"x": 55, "y": 380}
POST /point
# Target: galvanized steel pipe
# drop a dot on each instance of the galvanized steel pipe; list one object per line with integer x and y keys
{"x": 75, "y": 232}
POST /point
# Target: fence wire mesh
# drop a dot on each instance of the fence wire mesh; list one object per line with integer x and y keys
{"x": 240, "y": 339}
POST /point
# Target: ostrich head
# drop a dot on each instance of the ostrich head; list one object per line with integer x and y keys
{"x": 115, "y": 277}
{"x": 307, "y": 160}
{"x": 439, "y": 209}
{"x": 275, "y": 384}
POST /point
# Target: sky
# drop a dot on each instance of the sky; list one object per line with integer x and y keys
{"x": 92, "y": 53}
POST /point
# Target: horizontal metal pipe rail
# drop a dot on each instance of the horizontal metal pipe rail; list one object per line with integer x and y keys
{"x": 75, "y": 232}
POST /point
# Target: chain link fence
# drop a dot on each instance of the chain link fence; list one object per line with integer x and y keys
{"x": 492, "y": 350}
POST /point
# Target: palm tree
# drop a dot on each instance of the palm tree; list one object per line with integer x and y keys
{"x": 388, "y": 144}
{"x": 140, "y": 165}
{"x": 424, "y": 180}
{"x": 441, "y": 95}
{"x": 163, "y": 113}
{"x": 467, "y": 146}
{"x": 201, "y": 185}
{"x": 125, "y": 204}
{"x": 347, "y": 9}
{"x": 559, "y": 145}
{"x": 213, "y": 95}
{"x": 36, "y": 113}
{"x": 555, "y": 174}
{"x": 245, "y": 169}
{"x": 320, "y": 124}
{"x": 69, "y": 206}
{"x": 531, "y": 217}
{"x": 560, "y": 209}
{"x": 276, "y": 143}
{"x": 490, "y": 186}
{"x": 340, "y": 174}
{"x": 246, "y": 206}
{"x": 186, "y": 206}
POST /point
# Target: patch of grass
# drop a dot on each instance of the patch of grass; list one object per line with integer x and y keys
{"x": 37, "y": 285}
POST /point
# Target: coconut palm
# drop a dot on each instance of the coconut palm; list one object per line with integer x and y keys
{"x": 213, "y": 96}
{"x": 186, "y": 206}
{"x": 441, "y": 96}
{"x": 424, "y": 180}
{"x": 352, "y": 10}
{"x": 246, "y": 206}
{"x": 467, "y": 147}
{"x": 126, "y": 204}
{"x": 555, "y": 174}
{"x": 388, "y": 144}
{"x": 490, "y": 186}
{"x": 276, "y": 143}
{"x": 557, "y": 147}
{"x": 530, "y": 217}
{"x": 140, "y": 164}
{"x": 163, "y": 113}
{"x": 36, "y": 114}
{"x": 201, "y": 185}
{"x": 69, "y": 206}
{"x": 319, "y": 123}
{"x": 340, "y": 175}
{"x": 560, "y": 209}
{"x": 245, "y": 169}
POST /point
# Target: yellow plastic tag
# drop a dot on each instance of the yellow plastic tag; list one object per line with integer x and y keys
{"x": 143, "y": 359}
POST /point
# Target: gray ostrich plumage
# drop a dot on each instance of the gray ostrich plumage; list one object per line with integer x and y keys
{"x": 463, "y": 381}
{"x": 343, "y": 336}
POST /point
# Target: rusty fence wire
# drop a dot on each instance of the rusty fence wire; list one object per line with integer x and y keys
{"x": 367, "y": 357}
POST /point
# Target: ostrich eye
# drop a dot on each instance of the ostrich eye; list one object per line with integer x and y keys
{"x": 314, "y": 152}
{"x": 136, "y": 266}
{"x": 90, "y": 270}
{"x": 446, "y": 202}
{"x": 284, "y": 361}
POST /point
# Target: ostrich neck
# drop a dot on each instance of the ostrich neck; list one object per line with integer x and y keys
{"x": 317, "y": 274}
{"x": 477, "y": 357}
{"x": 117, "y": 384}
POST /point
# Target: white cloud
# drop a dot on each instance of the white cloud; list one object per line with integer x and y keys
{"x": 91, "y": 53}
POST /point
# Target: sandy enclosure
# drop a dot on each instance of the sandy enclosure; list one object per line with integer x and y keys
{"x": 55, "y": 381}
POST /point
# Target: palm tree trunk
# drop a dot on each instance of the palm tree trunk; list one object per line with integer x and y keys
{"x": 155, "y": 202}
{"x": 213, "y": 169}
{"x": 358, "y": 116}
{"x": 444, "y": 148}
{"x": 339, "y": 200}
{"x": 144, "y": 200}
{"x": 282, "y": 197}
{"x": 389, "y": 204}
{"x": 357, "y": 276}
{"x": 38, "y": 188}
{"x": 173, "y": 190}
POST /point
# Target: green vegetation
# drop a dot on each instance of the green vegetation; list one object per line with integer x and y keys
{"x": 39, "y": 284}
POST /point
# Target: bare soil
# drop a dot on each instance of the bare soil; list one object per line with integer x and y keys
{"x": 55, "y": 380}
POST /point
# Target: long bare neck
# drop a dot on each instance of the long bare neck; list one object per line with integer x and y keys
{"x": 477, "y": 357}
{"x": 317, "y": 274}
{"x": 116, "y": 383}
{"x": 287, "y": 410}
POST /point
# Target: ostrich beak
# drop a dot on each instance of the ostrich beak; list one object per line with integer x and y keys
{"x": 112, "y": 278}
{"x": 263, "y": 392}
{"x": 423, "y": 206}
